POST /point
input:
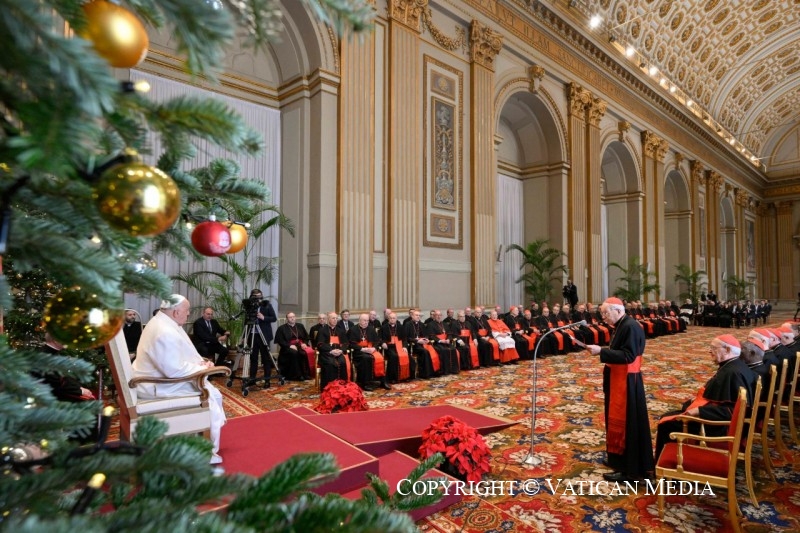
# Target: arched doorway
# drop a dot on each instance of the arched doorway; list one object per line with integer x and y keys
{"x": 531, "y": 192}
{"x": 677, "y": 229}
{"x": 620, "y": 211}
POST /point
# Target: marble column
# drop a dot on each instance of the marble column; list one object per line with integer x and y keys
{"x": 714, "y": 183}
{"x": 485, "y": 44}
{"x": 766, "y": 251}
{"x": 697, "y": 173}
{"x": 740, "y": 202}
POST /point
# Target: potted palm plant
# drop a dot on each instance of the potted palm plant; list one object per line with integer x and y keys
{"x": 544, "y": 268}
{"x": 635, "y": 280}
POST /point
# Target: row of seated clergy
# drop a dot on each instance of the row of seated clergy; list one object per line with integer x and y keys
{"x": 654, "y": 323}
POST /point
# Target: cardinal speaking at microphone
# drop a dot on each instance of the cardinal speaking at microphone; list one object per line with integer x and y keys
{"x": 629, "y": 450}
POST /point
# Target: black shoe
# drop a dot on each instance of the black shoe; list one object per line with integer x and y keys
{"x": 385, "y": 385}
{"x": 367, "y": 388}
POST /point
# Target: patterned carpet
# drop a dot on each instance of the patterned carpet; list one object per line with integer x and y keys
{"x": 570, "y": 440}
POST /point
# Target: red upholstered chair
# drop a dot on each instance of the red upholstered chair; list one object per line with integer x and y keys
{"x": 692, "y": 459}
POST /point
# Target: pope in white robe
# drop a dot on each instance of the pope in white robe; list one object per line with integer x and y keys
{"x": 165, "y": 350}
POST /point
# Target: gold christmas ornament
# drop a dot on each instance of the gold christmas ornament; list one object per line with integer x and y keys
{"x": 137, "y": 198}
{"x": 238, "y": 237}
{"x": 80, "y": 321}
{"x": 116, "y": 34}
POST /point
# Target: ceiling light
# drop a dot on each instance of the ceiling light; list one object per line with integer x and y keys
{"x": 672, "y": 88}
{"x": 689, "y": 103}
{"x": 653, "y": 70}
{"x": 630, "y": 50}
{"x": 595, "y": 21}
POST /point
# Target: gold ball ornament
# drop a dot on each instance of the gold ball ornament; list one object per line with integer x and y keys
{"x": 238, "y": 237}
{"x": 79, "y": 320}
{"x": 116, "y": 34}
{"x": 137, "y": 198}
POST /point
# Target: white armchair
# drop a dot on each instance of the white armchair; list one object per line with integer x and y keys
{"x": 183, "y": 414}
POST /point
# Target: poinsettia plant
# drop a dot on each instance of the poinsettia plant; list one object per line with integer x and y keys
{"x": 462, "y": 446}
{"x": 341, "y": 396}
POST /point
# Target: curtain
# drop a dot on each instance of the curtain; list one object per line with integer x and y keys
{"x": 510, "y": 230}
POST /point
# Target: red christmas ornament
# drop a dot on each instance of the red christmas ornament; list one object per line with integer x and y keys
{"x": 211, "y": 238}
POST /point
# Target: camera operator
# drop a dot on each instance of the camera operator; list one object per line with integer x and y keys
{"x": 260, "y": 314}
{"x": 570, "y": 293}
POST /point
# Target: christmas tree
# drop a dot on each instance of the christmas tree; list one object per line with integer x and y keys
{"x": 77, "y": 208}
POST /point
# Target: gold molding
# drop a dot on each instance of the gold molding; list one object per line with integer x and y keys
{"x": 650, "y": 144}
{"x": 536, "y": 74}
{"x": 782, "y": 191}
{"x": 623, "y": 126}
{"x": 578, "y": 99}
{"x": 784, "y": 207}
{"x": 595, "y": 111}
{"x": 715, "y": 180}
{"x": 484, "y": 44}
{"x": 697, "y": 170}
{"x": 409, "y": 13}
{"x": 448, "y": 43}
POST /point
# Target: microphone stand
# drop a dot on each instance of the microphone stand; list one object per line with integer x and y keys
{"x": 532, "y": 459}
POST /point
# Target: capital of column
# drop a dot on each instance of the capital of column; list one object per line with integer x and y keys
{"x": 763, "y": 208}
{"x": 578, "y": 98}
{"x": 536, "y": 75}
{"x": 741, "y": 197}
{"x": 697, "y": 171}
{"x": 715, "y": 180}
{"x": 408, "y": 12}
{"x": 484, "y": 44}
{"x": 784, "y": 207}
{"x": 651, "y": 144}
{"x": 595, "y": 111}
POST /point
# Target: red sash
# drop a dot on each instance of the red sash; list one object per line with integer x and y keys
{"x": 378, "y": 363}
{"x": 699, "y": 401}
{"x": 618, "y": 404}
{"x": 437, "y": 365}
{"x": 494, "y": 344}
{"x": 335, "y": 340}
{"x": 473, "y": 350}
{"x": 405, "y": 367}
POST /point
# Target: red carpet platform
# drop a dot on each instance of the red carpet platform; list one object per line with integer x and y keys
{"x": 382, "y": 442}
{"x": 383, "y": 431}
{"x": 254, "y": 444}
{"x": 396, "y": 466}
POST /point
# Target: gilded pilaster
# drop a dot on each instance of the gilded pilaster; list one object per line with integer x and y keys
{"x": 356, "y": 173}
{"x": 740, "y": 201}
{"x": 767, "y": 250}
{"x": 697, "y": 173}
{"x": 404, "y": 152}
{"x": 594, "y": 114}
{"x": 713, "y": 187}
{"x": 654, "y": 150}
{"x": 578, "y": 100}
{"x": 786, "y": 254}
{"x": 485, "y": 44}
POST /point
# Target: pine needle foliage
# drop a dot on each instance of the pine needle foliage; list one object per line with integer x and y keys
{"x": 64, "y": 118}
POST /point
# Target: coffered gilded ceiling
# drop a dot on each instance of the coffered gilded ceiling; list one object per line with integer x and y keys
{"x": 739, "y": 59}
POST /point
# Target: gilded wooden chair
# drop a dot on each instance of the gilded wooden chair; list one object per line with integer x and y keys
{"x": 784, "y": 404}
{"x": 691, "y": 458}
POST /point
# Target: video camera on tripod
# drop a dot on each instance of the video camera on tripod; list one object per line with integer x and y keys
{"x": 250, "y": 307}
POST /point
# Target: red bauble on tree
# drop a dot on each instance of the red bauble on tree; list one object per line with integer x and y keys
{"x": 211, "y": 238}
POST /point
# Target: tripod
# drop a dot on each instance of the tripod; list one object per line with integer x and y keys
{"x": 244, "y": 350}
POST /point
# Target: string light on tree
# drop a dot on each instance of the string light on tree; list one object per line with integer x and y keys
{"x": 116, "y": 33}
{"x": 211, "y": 238}
{"x": 79, "y": 320}
{"x": 137, "y": 198}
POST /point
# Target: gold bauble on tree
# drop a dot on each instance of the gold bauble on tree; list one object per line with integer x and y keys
{"x": 79, "y": 320}
{"x": 238, "y": 237}
{"x": 137, "y": 198}
{"x": 116, "y": 34}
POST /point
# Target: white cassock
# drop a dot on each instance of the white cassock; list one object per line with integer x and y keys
{"x": 165, "y": 350}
